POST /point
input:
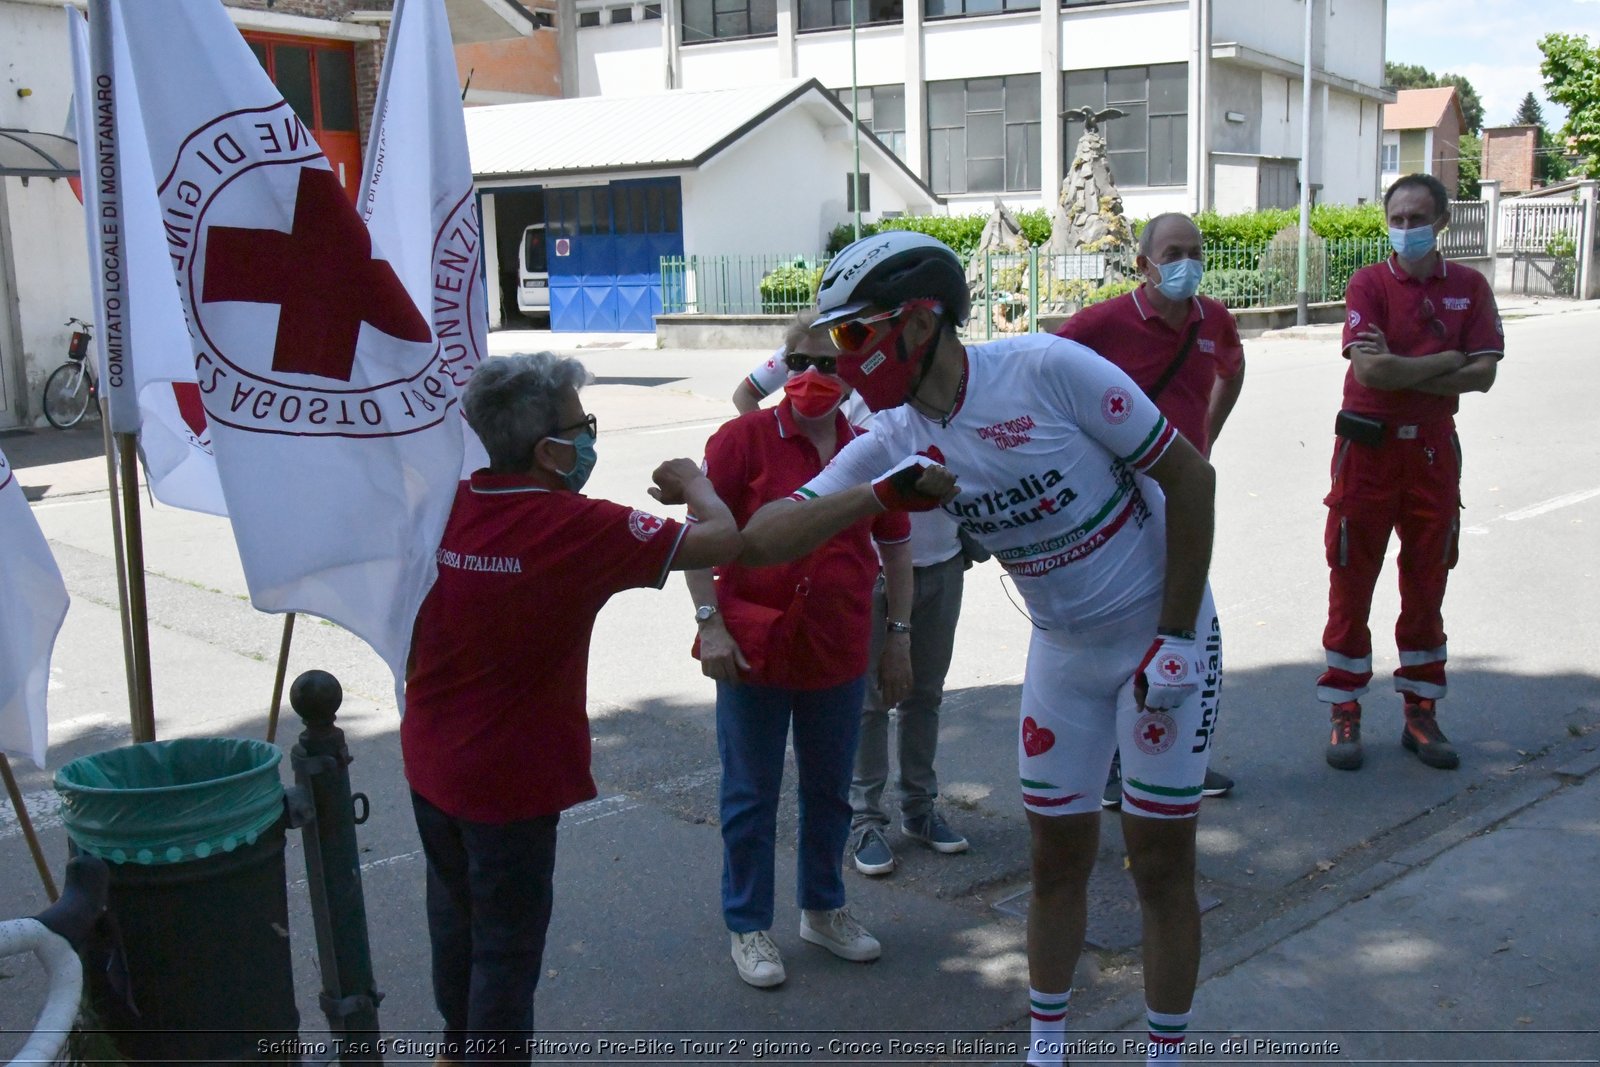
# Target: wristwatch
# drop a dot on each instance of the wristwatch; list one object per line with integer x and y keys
{"x": 896, "y": 627}
{"x": 703, "y": 613}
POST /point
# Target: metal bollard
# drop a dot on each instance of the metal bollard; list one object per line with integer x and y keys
{"x": 322, "y": 805}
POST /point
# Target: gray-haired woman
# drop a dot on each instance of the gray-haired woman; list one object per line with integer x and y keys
{"x": 495, "y": 741}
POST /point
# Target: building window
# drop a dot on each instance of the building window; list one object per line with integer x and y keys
{"x": 318, "y": 80}
{"x": 1391, "y": 157}
{"x": 983, "y": 135}
{"x": 947, "y": 9}
{"x": 715, "y": 20}
{"x": 588, "y": 18}
{"x": 621, "y": 14}
{"x": 883, "y": 111}
{"x": 1148, "y": 143}
{"x": 850, "y": 192}
{"x": 832, "y": 14}
{"x": 652, "y": 12}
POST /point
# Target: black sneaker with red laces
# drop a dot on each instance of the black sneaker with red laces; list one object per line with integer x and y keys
{"x": 1423, "y": 736}
{"x": 1344, "y": 742}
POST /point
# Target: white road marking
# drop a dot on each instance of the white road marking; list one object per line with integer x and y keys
{"x": 1533, "y": 511}
{"x": 1553, "y": 504}
{"x": 676, "y": 427}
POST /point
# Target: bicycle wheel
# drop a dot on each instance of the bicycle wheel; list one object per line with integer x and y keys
{"x": 66, "y": 395}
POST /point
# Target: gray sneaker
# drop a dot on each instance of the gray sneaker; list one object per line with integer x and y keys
{"x": 837, "y": 931}
{"x": 872, "y": 852}
{"x": 757, "y": 958}
{"x": 933, "y": 831}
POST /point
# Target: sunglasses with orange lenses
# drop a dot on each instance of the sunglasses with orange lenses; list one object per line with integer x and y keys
{"x": 852, "y": 335}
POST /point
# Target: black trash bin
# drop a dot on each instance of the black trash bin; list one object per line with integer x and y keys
{"x": 193, "y": 833}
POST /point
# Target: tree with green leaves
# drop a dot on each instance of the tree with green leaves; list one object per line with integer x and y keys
{"x": 1571, "y": 71}
{"x": 1414, "y": 76}
{"x": 1470, "y": 174}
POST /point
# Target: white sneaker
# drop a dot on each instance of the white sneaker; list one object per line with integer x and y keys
{"x": 757, "y": 959}
{"x": 839, "y": 933}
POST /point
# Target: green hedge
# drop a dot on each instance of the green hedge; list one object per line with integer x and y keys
{"x": 961, "y": 232}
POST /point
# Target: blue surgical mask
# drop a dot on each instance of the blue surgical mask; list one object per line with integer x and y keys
{"x": 1181, "y": 279}
{"x": 583, "y": 466}
{"x": 1413, "y": 243}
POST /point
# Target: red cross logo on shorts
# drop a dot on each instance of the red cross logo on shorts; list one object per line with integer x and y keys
{"x": 1154, "y": 734}
{"x": 322, "y": 276}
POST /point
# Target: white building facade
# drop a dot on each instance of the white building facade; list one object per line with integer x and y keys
{"x": 974, "y": 95}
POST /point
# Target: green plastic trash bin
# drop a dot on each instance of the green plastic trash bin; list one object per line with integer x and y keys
{"x": 193, "y": 833}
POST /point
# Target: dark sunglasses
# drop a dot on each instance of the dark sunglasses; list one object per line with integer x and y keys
{"x": 1430, "y": 319}
{"x": 799, "y": 361}
{"x": 589, "y": 423}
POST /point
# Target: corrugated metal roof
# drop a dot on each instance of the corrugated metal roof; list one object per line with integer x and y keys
{"x": 1420, "y": 109}
{"x": 682, "y": 127}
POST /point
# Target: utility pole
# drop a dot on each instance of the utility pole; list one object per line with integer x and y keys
{"x": 1302, "y": 298}
{"x": 855, "y": 117}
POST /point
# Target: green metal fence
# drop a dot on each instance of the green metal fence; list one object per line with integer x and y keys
{"x": 739, "y": 285}
{"x": 1016, "y": 292}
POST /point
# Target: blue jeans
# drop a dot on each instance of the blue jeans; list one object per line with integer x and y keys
{"x": 489, "y": 897}
{"x": 752, "y": 726}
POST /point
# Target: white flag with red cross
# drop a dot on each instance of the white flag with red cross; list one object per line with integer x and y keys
{"x": 145, "y": 365}
{"x": 33, "y": 603}
{"x": 417, "y": 196}
{"x": 332, "y": 409}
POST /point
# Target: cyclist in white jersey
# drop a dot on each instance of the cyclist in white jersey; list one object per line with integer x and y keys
{"x": 1102, "y": 514}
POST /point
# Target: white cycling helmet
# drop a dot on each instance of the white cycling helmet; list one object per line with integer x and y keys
{"x": 887, "y": 269}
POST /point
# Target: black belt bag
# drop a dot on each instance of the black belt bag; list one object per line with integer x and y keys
{"x": 1362, "y": 429}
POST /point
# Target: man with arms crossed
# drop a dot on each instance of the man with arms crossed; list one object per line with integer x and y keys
{"x": 1419, "y": 331}
{"x": 1046, "y": 438}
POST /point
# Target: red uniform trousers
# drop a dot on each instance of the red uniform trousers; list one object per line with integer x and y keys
{"x": 1410, "y": 483}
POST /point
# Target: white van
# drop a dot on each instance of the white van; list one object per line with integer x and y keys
{"x": 533, "y": 274}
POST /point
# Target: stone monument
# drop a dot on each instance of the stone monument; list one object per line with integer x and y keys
{"x": 1088, "y": 218}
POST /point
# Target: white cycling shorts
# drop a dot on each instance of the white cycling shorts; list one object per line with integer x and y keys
{"x": 1078, "y": 707}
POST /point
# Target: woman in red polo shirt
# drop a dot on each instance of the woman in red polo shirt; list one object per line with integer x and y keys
{"x": 789, "y": 643}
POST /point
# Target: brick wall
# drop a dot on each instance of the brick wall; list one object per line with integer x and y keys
{"x": 1508, "y": 155}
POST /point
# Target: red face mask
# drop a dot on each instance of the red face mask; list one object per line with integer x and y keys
{"x": 877, "y": 371}
{"x": 813, "y": 395}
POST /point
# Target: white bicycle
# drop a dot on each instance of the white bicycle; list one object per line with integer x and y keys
{"x": 53, "y": 936}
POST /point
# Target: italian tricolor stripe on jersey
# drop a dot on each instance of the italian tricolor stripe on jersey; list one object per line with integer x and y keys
{"x": 1151, "y": 448}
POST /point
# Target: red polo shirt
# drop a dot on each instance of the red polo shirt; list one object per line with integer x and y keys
{"x": 1128, "y": 331}
{"x": 1384, "y": 295}
{"x": 495, "y": 727}
{"x": 825, "y": 597}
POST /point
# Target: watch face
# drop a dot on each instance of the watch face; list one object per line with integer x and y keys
{"x": 704, "y": 612}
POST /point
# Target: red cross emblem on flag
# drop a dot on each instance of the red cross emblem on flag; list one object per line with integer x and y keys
{"x": 322, "y": 276}
{"x": 301, "y": 327}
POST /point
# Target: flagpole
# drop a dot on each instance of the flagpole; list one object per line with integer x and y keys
{"x": 27, "y": 828}
{"x": 138, "y": 614}
{"x": 122, "y": 567}
{"x": 277, "y": 682}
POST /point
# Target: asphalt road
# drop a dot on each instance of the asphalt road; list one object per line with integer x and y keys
{"x": 637, "y": 950}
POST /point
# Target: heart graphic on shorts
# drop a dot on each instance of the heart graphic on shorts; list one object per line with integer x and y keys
{"x": 1036, "y": 739}
{"x": 933, "y": 453}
